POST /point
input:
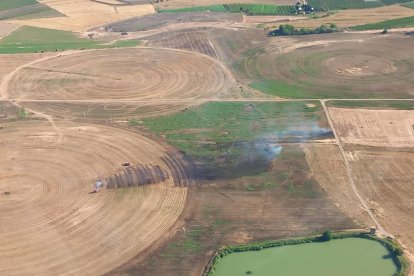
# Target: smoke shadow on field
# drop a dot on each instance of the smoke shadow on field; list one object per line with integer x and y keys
{"x": 248, "y": 158}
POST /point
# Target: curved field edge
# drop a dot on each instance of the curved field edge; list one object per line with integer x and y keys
{"x": 392, "y": 246}
{"x": 404, "y": 22}
{"x": 28, "y": 39}
{"x": 373, "y": 104}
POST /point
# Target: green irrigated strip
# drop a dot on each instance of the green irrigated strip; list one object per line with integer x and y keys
{"x": 404, "y": 22}
{"x": 14, "y": 4}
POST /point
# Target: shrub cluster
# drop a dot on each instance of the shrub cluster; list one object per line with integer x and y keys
{"x": 287, "y": 30}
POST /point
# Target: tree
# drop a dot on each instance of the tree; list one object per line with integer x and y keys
{"x": 327, "y": 235}
{"x": 397, "y": 251}
{"x": 385, "y": 31}
{"x": 22, "y": 113}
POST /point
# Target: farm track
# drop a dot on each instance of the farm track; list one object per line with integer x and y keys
{"x": 380, "y": 229}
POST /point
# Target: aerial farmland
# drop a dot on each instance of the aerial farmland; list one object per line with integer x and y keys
{"x": 206, "y": 137}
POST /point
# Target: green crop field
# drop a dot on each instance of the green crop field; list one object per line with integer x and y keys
{"x": 201, "y": 131}
{"x": 402, "y": 105}
{"x": 215, "y": 8}
{"x": 14, "y": 4}
{"x": 251, "y": 9}
{"x": 352, "y": 4}
{"x": 408, "y": 5}
{"x": 389, "y": 24}
{"x": 34, "y": 40}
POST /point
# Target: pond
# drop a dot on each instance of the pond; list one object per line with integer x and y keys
{"x": 350, "y": 256}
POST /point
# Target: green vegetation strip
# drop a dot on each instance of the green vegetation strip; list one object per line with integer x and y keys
{"x": 393, "y": 248}
{"x": 33, "y": 40}
{"x": 14, "y": 4}
{"x": 404, "y": 22}
{"x": 250, "y": 9}
{"x": 403, "y": 105}
{"x": 352, "y": 4}
{"x": 199, "y": 131}
{"x": 408, "y": 5}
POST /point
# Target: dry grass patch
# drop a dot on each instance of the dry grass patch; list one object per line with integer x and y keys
{"x": 384, "y": 177}
{"x": 386, "y": 128}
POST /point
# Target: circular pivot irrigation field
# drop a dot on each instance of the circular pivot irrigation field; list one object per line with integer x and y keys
{"x": 337, "y": 67}
{"x": 125, "y": 74}
{"x": 52, "y": 224}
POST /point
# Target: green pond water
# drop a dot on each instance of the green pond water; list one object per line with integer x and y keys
{"x": 350, "y": 256}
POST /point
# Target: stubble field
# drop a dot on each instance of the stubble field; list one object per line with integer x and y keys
{"x": 49, "y": 174}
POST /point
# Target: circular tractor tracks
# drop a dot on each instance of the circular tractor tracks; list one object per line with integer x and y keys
{"x": 351, "y": 66}
{"x": 120, "y": 74}
{"x": 51, "y": 222}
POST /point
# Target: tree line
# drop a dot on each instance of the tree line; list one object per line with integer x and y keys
{"x": 288, "y": 30}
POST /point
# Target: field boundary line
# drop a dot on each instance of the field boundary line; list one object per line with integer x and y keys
{"x": 381, "y": 230}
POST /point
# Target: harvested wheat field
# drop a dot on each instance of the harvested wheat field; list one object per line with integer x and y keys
{"x": 384, "y": 128}
{"x": 81, "y": 15}
{"x": 121, "y": 74}
{"x": 49, "y": 174}
{"x": 8, "y": 63}
{"x": 107, "y": 111}
{"x": 379, "y": 146}
{"x": 385, "y": 176}
{"x": 327, "y": 166}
